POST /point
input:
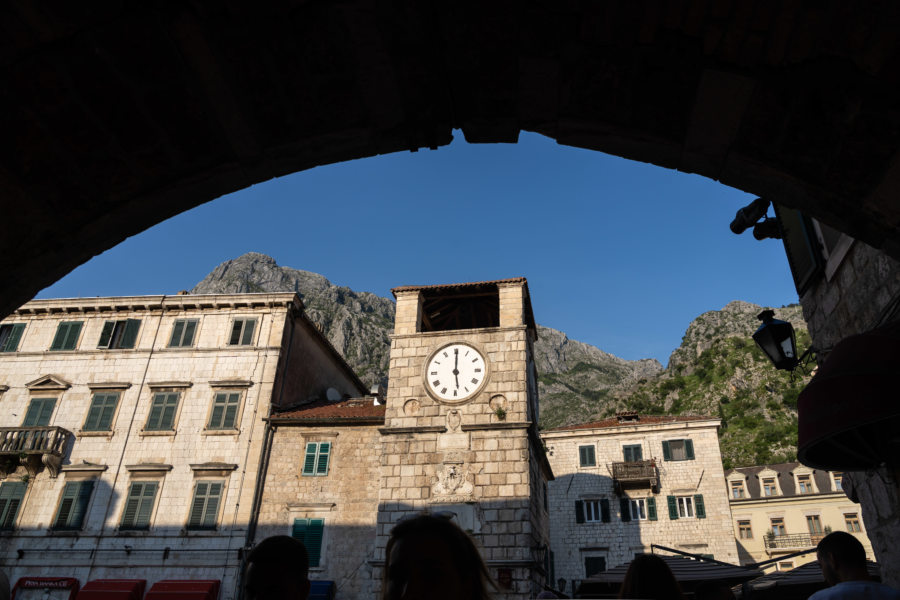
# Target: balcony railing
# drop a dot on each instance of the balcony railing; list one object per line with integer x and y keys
{"x": 635, "y": 474}
{"x": 793, "y": 541}
{"x": 33, "y": 446}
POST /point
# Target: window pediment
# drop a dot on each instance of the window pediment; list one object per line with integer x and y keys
{"x": 48, "y": 382}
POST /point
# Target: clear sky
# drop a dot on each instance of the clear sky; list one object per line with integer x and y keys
{"x": 618, "y": 254}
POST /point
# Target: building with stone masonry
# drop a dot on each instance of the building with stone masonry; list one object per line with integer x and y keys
{"x": 629, "y": 481}
{"x": 782, "y": 509}
{"x": 133, "y": 429}
{"x": 460, "y": 431}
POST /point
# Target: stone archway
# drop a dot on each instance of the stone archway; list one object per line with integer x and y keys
{"x": 119, "y": 115}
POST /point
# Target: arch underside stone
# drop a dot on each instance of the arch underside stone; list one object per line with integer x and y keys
{"x": 116, "y": 116}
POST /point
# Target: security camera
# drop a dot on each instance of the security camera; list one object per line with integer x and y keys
{"x": 748, "y": 216}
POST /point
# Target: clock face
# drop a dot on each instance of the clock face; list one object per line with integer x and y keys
{"x": 455, "y": 372}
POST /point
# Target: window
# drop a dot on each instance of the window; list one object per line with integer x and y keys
{"x": 737, "y": 489}
{"x": 769, "y": 488}
{"x": 587, "y": 456}
{"x": 310, "y": 532}
{"x": 139, "y": 505}
{"x": 678, "y": 450}
{"x": 851, "y": 520}
{"x": 777, "y": 526}
{"x": 838, "y": 481}
{"x": 66, "y": 335}
{"x": 592, "y": 511}
{"x": 10, "y": 335}
{"x": 103, "y": 409}
{"x": 183, "y": 333}
{"x": 744, "y": 531}
{"x": 594, "y": 565}
{"x": 686, "y": 507}
{"x": 804, "y": 485}
{"x": 119, "y": 334}
{"x": 242, "y": 332}
{"x": 316, "y": 462}
{"x": 205, "y": 506}
{"x": 638, "y": 509}
{"x": 162, "y": 412}
{"x": 632, "y": 453}
{"x": 11, "y": 496}
{"x": 814, "y": 524}
{"x": 785, "y": 565}
{"x": 39, "y": 412}
{"x": 225, "y": 410}
{"x": 73, "y": 505}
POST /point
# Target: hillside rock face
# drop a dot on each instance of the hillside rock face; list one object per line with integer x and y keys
{"x": 716, "y": 371}
{"x": 356, "y": 323}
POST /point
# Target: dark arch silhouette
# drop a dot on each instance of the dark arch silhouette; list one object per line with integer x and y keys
{"x": 117, "y": 115}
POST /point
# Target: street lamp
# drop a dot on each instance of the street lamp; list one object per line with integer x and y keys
{"x": 776, "y": 339}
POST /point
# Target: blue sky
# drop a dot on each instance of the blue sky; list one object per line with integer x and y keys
{"x": 618, "y": 254}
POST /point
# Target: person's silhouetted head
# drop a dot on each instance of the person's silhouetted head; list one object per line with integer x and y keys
{"x": 429, "y": 557}
{"x": 650, "y": 578}
{"x": 842, "y": 558}
{"x": 277, "y": 569}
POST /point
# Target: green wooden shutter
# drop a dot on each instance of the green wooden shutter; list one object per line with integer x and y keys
{"x": 322, "y": 464}
{"x": 146, "y": 508}
{"x": 177, "y": 331}
{"x": 132, "y": 504}
{"x": 667, "y": 452}
{"x": 168, "y": 415}
{"x": 579, "y": 511}
{"x": 205, "y": 507}
{"x": 39, "y": 412}
{"x": 218, "y": 411}
{"x": 249, "y": 326}
{"x": 309, "y": 464}
{"x": 82, "y": 500}
{"x": 195, "y": 520}
{"x": 11, "y": 495}
{"x": 651, "y": 508}
{"x": 66, "y": 504}
{"x": 229, "y": 421}
{"x": 689, "y": 449}
{"x": 299, "y": 529}
{"x": 699, "y": 508}
{"x": 313, "y": 541}
{"x": 625, "y": 509}
{"x": 11, "y": 344}
{"x": 188, "y": 338}
{"x": 673, "y": 507}
{"x": 46, "y": 412}
{"x": 132, "y": 326}
{"x": 73, "y": 505}
{"x": 59, "y": 340}
{"x": 604, "y": 510}
{"x": 212, "y": 505}
{"x": 106, "y": 334}
{"x": 102, "y": 411}
{"x": 236, "y": 332}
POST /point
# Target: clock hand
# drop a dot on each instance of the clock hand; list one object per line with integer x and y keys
{"x": 456, "y": 366}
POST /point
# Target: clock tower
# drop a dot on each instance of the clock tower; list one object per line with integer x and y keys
{"x": 460, "y": 435}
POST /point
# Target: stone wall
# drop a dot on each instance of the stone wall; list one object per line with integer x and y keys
{"x": 617, "y": 541}
{"x": 346, "y": 498}
{"x": 862, "y": 294}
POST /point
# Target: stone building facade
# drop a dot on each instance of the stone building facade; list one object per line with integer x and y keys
{"x": 847, "y": 287}
{"x": 630, "y": 481}
{"x": 787, "y": 508}
{"x": 132, "y": 429}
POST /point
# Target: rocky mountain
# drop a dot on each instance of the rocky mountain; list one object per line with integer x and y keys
{"x": 356, "y": 323}
{"x": 717, "y": 370}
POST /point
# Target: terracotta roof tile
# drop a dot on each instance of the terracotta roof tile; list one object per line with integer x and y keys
{"x": 451, "y": 286}
{"x": 353, "y": 409}
{"x": 642, "y": 420}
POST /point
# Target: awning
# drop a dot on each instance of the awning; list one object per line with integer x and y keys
{"x": 113, "y": 589}
{"x": 801, "y": 582}
{"x": 687, "y": 571}
{"x": 321, "y": 590}
{"x": 184, "y": 589}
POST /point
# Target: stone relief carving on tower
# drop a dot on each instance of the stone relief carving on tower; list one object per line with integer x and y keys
{"x": 452, "y": 483}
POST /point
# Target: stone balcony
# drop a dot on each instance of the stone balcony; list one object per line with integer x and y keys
{"x": 792, "y": 542}
{"x": 635, "y": 474}
{"x": 33, "y": 447}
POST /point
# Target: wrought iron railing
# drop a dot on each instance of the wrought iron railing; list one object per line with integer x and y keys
{"x": 33, "y": 440}
{"x": 793, "y": 541}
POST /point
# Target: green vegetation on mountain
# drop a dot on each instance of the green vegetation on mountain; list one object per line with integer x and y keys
{"x": 717, "y": 370}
